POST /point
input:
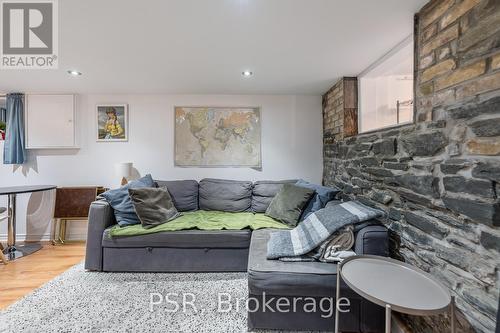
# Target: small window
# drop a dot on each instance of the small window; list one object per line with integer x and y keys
{"x": 386, "y": 90}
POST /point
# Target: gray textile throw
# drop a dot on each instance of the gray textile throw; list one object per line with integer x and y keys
{"x": 317, "y": 228}
{"x": 339, "y": 241}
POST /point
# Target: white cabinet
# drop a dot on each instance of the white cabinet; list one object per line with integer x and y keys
{"x": 50, "y": 121}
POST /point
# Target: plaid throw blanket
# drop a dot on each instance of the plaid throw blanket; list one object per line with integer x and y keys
{"x": 317, "y": 228}
{"x": 338, "y": 244}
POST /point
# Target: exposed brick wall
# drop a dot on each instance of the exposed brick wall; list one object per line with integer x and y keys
{"x": 439, "y": 179}
{"x": 339, "y": 113}
{"x": 333, "y": 113}
{"x": 340, "y": 110}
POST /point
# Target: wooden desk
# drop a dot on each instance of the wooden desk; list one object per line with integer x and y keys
{"x": 72, "y": 203}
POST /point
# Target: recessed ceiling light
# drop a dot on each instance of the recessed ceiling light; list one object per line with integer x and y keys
{"x": 247, "y": 73}
{"x": 73, "y": 72}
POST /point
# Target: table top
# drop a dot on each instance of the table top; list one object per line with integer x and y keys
{"x": 25, "y": 189}
{"x": 385, "y": 281}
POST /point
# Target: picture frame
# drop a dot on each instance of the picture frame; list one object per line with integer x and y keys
{"x": 225, "y": 130}
{"x": 112, "y": 122}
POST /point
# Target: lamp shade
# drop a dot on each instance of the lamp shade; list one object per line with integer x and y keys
{"x": 123, "y": 170}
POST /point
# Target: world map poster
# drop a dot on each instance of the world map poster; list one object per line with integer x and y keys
{"x": 218, "y": 137}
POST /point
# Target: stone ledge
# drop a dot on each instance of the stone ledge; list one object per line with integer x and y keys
{"x": 479, "y": 211}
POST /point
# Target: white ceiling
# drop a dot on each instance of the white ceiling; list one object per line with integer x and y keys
{"x": 202, "y": 46}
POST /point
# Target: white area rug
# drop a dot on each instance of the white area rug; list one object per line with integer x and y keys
{"x": 80, "y": 301}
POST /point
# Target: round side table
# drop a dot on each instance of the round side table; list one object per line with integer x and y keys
{"x": 394, "y": 285}
{"x": 14, "y": 251}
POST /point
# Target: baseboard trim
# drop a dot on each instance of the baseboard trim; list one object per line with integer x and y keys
{"x": 41, "y": 238}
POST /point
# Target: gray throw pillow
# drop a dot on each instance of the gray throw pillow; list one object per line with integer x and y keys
{"x": 322, "y": 195}
{"x": 119, "y": 200}
{"x": 288, "y": 204}
{"x": 264, "y": 191}
{"x": 153, "y": 206}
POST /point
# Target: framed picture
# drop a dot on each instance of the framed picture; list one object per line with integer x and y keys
{"x": 217, "y": 137}
{"x": 112, "y": 122}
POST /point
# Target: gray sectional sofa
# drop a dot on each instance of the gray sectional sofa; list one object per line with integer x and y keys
{"x": 297, "y": 281}
{"x": 236, "y": 251}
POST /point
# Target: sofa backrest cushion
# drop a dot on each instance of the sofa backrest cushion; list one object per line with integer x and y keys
{"x": 225, "y": 195}
{"x": 184, "y": 193}
{"x": 264, "y": 191}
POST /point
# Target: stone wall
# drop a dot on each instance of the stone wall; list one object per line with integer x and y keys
{"x": 439, "y": 179}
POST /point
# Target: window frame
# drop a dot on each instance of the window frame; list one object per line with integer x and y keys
{"x": 3, "y": 99}
{"x": 404, "y": 43}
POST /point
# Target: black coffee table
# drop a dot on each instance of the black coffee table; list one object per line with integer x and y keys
{"x": 13, "y": 251}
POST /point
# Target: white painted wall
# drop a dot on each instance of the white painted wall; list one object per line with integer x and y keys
{"x": 291, "y": 148}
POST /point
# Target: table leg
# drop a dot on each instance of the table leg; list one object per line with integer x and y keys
{"x": 53, "y": 231}
{"x": 452, "y": 315}
{"x": 337, "y": 297}
{"x": 11, "y": 222}
{"x": 388, "y": 322}
{"x": 13, "y": 251}
{"x": 62, "y": 231}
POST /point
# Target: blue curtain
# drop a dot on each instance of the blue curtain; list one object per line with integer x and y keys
{"x": 13, "y": 151}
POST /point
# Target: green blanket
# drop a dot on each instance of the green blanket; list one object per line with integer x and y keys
{"x": 203, "y": 220}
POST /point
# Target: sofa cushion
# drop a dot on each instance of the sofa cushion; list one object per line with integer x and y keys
{"x": 184, "y": 193}
{"x": 153, "y": 206}
{"x": 288, "y": 204}
{"x": 322, "y": 195}
{"x": 183, "y": 239}
{"x": 276, "y": 277}
{"x": 121, "y": 203}
{"x": 264, "y": 191}
{"x": 225, "y": 195}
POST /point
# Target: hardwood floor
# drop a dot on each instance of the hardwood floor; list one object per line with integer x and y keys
{"x": 22, "y": 276}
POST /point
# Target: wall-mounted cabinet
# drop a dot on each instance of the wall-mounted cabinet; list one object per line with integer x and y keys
{"x": 50, "y": 122}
